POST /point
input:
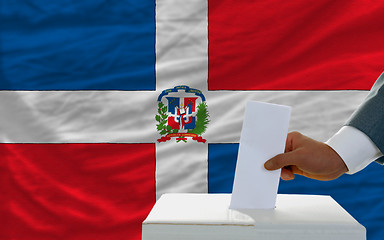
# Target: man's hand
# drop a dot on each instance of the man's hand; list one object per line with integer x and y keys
{"x": 308, "y": 157}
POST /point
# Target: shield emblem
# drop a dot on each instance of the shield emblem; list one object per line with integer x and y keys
{"x": 182, "y": 113}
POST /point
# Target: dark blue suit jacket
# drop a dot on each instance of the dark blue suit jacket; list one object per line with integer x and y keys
{"x": 369, "y": 117}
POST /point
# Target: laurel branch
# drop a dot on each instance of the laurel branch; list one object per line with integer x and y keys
{"x": 202, "y": 120}
{"x": 162, "y": 117}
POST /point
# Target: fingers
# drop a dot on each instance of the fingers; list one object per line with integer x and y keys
{"x": 308, "y": 157}
{"x": 281, "y": 160}
{"x": 289, "y": 157}
{"x": 287, "y": 174}
{"x": 292, "y": 138}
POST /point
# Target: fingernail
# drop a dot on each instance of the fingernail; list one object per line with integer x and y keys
{"x": 286, "y": 176}
{"x": 268, "y": 165}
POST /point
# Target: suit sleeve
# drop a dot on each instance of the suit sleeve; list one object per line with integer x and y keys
{"x": 369, "y": 116}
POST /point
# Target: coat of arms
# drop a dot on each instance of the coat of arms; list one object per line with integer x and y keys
{"x": 182, "y": 113}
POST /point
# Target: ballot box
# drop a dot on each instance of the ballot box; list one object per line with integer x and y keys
{"x": 208, "y": 217}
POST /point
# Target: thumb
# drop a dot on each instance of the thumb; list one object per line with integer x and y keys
{"x": 280, "y": 161}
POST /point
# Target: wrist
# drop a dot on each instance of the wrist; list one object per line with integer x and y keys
{"x": 354, "y": 147}
{"x": 338, "y": 163}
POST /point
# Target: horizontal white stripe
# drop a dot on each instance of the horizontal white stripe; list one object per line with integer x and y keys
{"x": 54, "y": 117}
{"x": 80, "y": 116}
{"x": 318, "y": 114}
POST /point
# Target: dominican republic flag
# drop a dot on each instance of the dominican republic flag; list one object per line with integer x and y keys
{"x": 80, "y": 116}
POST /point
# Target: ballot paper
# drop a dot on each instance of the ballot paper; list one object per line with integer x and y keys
{"x": 263, "y": 136}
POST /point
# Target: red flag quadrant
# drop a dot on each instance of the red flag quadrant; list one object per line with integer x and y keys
{"x": 295, "y": 45}
{"x": 76, "y": 191}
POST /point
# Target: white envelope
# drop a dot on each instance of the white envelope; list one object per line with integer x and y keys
{"x": 263, "y": 136}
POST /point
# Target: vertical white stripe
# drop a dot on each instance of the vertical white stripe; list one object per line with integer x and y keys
{"x": 181, "y": 44}
{"x": 181, "y": 59}
{"x": 181, "y": 167}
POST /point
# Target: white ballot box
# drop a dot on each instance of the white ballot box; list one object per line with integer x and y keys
{"x": 208, "y": 217}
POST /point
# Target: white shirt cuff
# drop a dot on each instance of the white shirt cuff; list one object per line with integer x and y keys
{"x": 355, "y": 148}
